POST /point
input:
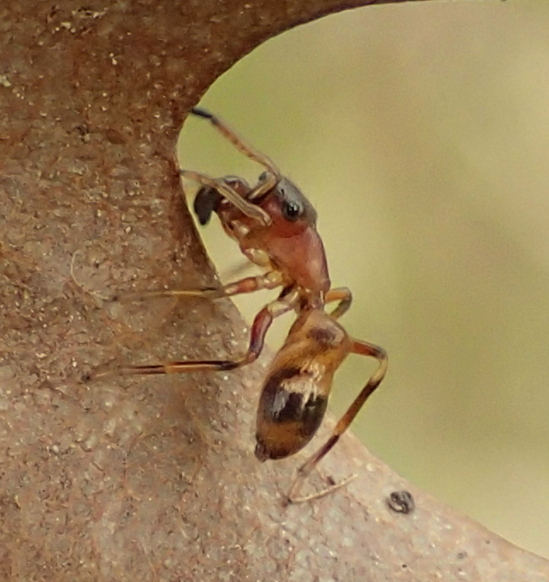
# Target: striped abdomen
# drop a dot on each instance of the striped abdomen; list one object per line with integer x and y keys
{"x": 295, "y": 393}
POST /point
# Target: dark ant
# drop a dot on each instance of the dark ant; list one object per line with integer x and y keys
{"x": 275, "y": 227}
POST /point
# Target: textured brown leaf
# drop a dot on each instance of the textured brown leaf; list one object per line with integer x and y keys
{"x": 155, "y": 478}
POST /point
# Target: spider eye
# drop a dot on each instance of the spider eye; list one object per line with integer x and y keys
{"x": 291, "y": 210}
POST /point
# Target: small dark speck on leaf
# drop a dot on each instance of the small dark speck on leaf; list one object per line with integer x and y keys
{"x": 401, "y": 502}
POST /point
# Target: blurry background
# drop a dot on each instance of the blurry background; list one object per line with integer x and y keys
{"x": 421, "y": 134}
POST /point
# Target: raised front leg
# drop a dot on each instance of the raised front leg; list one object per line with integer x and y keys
{"x": 271, "y": 176}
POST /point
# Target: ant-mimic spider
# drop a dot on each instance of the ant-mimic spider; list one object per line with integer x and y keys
{"x": 275, "y": 227}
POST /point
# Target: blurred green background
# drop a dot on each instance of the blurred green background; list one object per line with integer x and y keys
{"x": 421, "y": 134}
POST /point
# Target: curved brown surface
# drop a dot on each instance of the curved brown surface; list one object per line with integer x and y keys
{"x": 155, "y": 478}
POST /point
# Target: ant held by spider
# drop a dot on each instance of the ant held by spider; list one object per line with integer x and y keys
{"x": 275, "y": 227}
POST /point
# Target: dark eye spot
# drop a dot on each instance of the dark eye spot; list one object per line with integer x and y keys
{"x": 262, "y": 176}
{"x": 291, "y": 210}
